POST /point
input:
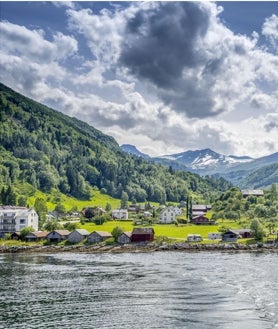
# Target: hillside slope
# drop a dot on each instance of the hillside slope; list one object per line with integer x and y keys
{"x": 48, "y": 149}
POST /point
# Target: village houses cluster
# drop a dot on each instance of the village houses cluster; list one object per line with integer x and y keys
{"x": 13, "y": 219}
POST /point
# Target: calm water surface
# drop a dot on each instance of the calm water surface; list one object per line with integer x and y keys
{"x": 155, "y": 290}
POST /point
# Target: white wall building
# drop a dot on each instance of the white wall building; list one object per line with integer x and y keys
{"x": 167, "y": 216}
{"x": 120, "y": 214}
{"x": 13, "y": 219}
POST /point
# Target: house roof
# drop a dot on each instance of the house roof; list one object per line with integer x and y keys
{"x": 39, "y": 234}
{"x": 243, "y": 230}
{"x": 232, "y": 231}
{"x": 119, "y": 210}
{"x": 143, "y": 230}
{"x": 16, "y": 233}
{"x": 203, "y": 207}
{"x": 102, "y": 233}
{"x": 129, "y": 234}
{"x": 200, "y": 216}
{"x": 198, "y": 213}
{"x": 61, "y": 232}
{"x": 13, "y": 208}
{"x": 81, "y": 231}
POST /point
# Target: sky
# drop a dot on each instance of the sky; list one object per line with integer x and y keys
{"x": 166, "y": 77}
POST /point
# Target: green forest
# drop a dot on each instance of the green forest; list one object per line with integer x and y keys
{"x": 49, "y": 150}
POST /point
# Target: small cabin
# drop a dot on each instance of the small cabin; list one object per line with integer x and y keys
{"x": 36, "y": 236}
{"x": 98, "y": 236}
{"x": 78, "y": 235}
{"x": 16, "y": 236}
{"x": 142, "y": 234}
{"x": 201, "y": 220}
{"x": 57, "y": 235}
{"x": 245, "y": 233}
{"x": 124, "y": 238}
{"x": 230, "y": 236}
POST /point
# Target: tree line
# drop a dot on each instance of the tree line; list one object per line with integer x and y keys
{"x": 48, "y": 149}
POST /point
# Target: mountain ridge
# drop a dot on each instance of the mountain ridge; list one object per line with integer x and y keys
{"x": 236, "y": 169}
{"x": 50, "y": 150}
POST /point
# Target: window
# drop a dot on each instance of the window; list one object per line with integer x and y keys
{"x": 22, "y": 221}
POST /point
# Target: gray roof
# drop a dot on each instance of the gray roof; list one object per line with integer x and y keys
{"x": 81, "y": 231}
{"x": 143, "y": 230}
{"x": 102, "y": 233}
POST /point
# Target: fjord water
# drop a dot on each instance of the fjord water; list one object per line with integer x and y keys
{"x": 140, "y": 290}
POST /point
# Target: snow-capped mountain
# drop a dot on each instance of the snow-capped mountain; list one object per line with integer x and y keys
{"x": 131, "y": 149}
{"x": 242, "y": 171}
{"x": 206, "y": 159}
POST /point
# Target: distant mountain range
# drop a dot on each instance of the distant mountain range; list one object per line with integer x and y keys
{"x": 131, "y": 149}
{"x": 244, "y": 171}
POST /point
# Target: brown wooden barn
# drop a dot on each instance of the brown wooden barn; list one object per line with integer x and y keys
{"x": 142, "y": 234}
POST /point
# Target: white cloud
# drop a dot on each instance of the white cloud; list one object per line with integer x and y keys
{"x": 164, "y": 97}
{"x": 67, "y": 4}
{"x": 31, "y": 44}
{"x": 270, "y": 30}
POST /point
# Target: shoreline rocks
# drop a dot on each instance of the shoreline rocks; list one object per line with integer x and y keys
{"x": 142, "y": 247}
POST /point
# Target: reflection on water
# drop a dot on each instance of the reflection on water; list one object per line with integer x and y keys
{"x": 155, "y": 290}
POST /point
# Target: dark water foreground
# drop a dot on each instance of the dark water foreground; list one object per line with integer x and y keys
{"x": 139, "y": 290}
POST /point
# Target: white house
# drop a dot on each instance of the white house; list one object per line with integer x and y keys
{"x": 13, "y": 219}
{"x": 167, "y": 216}
{"x": 120, "y": 214}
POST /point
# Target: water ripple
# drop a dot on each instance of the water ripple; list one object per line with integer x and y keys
{"x": 158, "y": 291}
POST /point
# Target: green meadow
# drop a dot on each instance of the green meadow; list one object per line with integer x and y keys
{"x": 161, "y": 230}
{"x": 97, "y": 199}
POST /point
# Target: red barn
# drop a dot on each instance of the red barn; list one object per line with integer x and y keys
{"x": 142, "y": 234}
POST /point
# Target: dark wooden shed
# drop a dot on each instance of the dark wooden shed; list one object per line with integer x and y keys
{"x": 142, "y": 234}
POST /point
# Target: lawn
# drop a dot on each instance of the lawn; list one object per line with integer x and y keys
{"x": 168, "y": 230}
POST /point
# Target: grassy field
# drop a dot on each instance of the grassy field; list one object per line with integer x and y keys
{"x": 97, "y": 199}
{"x": 167, "y": 230}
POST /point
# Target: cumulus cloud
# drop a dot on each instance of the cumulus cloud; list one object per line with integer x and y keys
{"x": 31, "y": 44}
{"x": 29, "y": 61}
{"x": 271, "y": 122}
{"x": 166, "y": 74}
{"x": 161, "y": 41}
{"x": 187, "y": 57}
{"x": 102, "y": 31}
{"x": 270, "y": 30}
{"x": 67, "y": 4}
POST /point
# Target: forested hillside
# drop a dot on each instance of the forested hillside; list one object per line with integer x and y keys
{"x": 48, "y": 149}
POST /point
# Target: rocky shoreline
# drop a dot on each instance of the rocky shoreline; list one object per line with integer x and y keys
{"x": 135, "y": 248}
